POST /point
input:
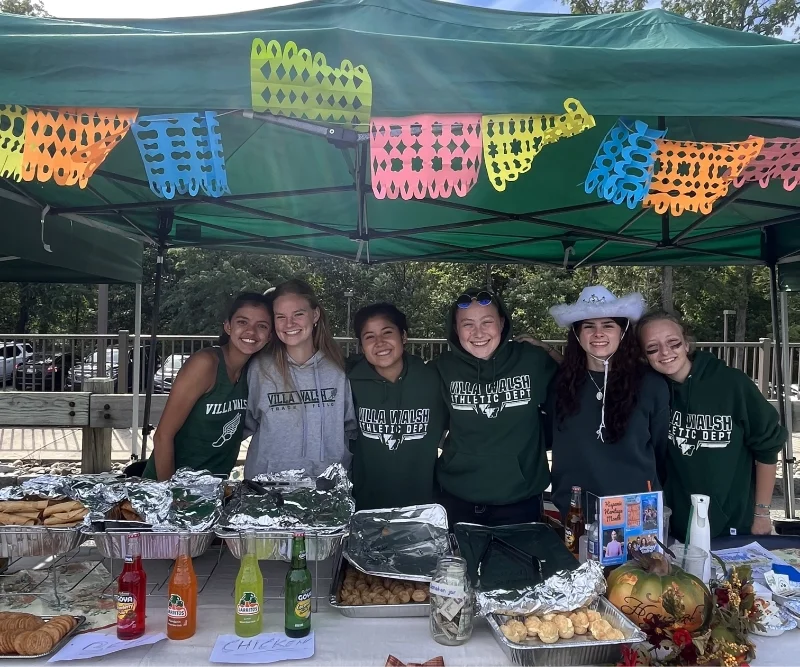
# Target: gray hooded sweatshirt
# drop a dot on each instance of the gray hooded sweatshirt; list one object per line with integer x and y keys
{"x": 307, "y": 424}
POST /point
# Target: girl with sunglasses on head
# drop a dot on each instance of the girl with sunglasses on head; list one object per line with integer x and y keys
{"x": 400, "y": 412}
{"x": 493, "y": 467}
{"x": 724, "y": 435}
{"x": 609, "y": 413}
{"x": 300, "y": 410}
{"x": 203, "y": 421}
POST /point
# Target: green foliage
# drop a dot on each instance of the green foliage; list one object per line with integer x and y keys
{"x": 27, "y": 7}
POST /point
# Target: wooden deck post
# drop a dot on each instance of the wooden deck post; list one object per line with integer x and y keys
{"x": 764, "y": 365}
{"x": 96, "y": 449}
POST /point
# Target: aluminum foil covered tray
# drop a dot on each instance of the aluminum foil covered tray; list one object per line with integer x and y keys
{"x": 287, "y": 501}
{"x": 190, "y": 501}
{"x": 369, "y": 610}
{"x": 580, "y": 650}
{"x": 526, "y": 569}
{"x": 402, "y": 543}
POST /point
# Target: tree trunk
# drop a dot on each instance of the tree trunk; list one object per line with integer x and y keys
{"x": 742, "y": 302}
{"x": 667, "y": 289}
{"x": 24, "y": 313}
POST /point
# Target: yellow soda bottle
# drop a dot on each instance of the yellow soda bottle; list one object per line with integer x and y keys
{"x": 249, "y": 592}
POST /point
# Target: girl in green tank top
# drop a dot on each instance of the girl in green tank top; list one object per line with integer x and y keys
{"x": 202, "y": 424}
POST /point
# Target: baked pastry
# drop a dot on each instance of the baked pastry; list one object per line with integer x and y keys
{"x": 548, "y": 632}
{"x": 580, "y": 622}
{"x": 515, "y": 631}
{"x": 532, "y": 625}
{"x": 564, "y": 625}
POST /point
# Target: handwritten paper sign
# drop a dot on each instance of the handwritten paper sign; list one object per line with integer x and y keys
{"x": 261, "y": 649}
{"x": 613, "y": 511}
{"x": 95, "y": 644}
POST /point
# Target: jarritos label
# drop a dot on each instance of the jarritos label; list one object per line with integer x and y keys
{"x": 248, "y": 604}
{"x": 175, "y": 607}
{"x": 302, "y": 608}
{"x": 126, "y": 608}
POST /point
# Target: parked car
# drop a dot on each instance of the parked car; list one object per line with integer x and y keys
{"x": 165, "y": 376}
{"x": 89, "y": 368}
{"x": 42, "y": 372}
{"x": 11, "y": 354}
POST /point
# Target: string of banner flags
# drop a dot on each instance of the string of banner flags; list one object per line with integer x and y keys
{"x": 413, "y": 157}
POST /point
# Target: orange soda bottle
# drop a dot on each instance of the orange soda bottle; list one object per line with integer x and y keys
{"x": 182, "y": 603}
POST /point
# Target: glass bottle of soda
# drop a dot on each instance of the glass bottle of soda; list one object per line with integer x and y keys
{"x": 575, "y": 524}
{"x": 182, "y": 602}
{"x": 298, "y": 591}
{"x": 249, "y": 591}
{"x": 131, "y": 592}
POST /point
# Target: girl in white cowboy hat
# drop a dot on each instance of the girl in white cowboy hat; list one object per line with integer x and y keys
{"x": 610, "y": 413}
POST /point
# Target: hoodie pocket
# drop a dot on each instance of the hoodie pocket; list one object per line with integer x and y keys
{"x": 486, "y": 480}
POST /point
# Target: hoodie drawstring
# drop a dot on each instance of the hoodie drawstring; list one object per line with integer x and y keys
{"x": 321, "y": 411}
{"x": 304, "y": 446}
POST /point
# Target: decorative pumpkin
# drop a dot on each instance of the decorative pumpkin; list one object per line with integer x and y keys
{"x": 652, "y": 588}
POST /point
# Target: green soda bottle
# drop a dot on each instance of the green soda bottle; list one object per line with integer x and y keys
{"x": 249, "y": 595}
{"x": 298, "y": 591}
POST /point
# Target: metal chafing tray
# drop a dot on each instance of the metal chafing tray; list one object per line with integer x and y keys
{"x": 155, "y": 545}
{"x": 370, "y": 610}
{"x": 580, "y": 650}
{"x": 277, "y": 544}
{"x": 23, "y": 541}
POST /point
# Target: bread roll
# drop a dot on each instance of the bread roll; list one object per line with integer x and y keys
{"x": 69, "y": 506}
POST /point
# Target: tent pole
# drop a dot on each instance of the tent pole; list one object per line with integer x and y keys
{"x": 787, "y": 399}
{"x": 137, "y": 373}
{"x": 165, "y": 218}
{"x": 788, "y": 461}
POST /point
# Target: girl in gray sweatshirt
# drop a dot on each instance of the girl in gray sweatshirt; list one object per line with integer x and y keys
{"x": 300, "y": 408}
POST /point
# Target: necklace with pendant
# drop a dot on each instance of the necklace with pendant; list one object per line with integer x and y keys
{"x": 599, "y": 394}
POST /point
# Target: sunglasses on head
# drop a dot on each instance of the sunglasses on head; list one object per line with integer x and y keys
{"x": 465, "y": 300}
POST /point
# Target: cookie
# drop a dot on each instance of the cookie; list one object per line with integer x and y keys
{"x": 68, "y": 621}
{"x": 20, "y": 642}
{"x": 56, "y": 632}
{"x": 61, "y": 624}
{"x": 7, "y": 642}
{"x": 39, "y": 643}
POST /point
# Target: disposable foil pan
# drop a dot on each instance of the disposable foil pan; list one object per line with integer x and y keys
{"x": 155, "y": 545}
{"x": 79, "y": 623}
{"x": 402, "y": 543}
{"x": 277, "y": 544}
{"x": 580, "y": 650}
{"x": 22, "y": 541}
{"x": 370, "y": 610}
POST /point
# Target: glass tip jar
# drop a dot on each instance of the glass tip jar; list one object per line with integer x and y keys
{"x": 452, "y": 602}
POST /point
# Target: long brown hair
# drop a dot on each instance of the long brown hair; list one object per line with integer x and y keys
{"x": 624, "y": 378}
{"x": 321, "y": 336}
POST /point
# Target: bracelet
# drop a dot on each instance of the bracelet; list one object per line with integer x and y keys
{"x": 763, "y": 516}
{"x": 764, "y": 507}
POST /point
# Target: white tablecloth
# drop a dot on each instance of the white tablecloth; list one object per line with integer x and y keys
{"x": 338, "y": 640}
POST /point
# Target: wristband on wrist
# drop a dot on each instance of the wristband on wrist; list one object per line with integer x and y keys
{"x": 764, "y": 507}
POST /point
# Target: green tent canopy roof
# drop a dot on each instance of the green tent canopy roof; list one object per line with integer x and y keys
{"x": 75, "y": 253}
{"x": 294, "y": 193}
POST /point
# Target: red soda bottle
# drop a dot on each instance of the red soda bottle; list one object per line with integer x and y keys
{"x": 131, "y": 592}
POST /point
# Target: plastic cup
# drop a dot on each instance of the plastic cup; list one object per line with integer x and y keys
{"x": 690, "y": 558}
{"x": 666, "y": 516}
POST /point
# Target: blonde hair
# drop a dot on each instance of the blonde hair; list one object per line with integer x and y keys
{"x": 321, "y": 335}
{"x": 661, "y": 315}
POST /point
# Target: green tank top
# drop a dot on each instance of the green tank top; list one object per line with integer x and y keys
{"x": 211, "y": 436}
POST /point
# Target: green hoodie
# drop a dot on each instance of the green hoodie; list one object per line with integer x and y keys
{"x": 400, "y": 426}
{"x": 720, "y": 426}
{"x": 495, "y": 452}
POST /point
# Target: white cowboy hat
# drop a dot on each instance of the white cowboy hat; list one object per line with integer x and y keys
{"x": 597, "y": 301}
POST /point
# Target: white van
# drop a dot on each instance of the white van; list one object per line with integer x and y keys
{"x": 12, "y": 354}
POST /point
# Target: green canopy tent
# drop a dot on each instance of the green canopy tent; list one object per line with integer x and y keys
{"x": 305, "y": 187}
{"x": 64, "y": 250}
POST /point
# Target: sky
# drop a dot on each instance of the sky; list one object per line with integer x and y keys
{"x": 165, "y": 8}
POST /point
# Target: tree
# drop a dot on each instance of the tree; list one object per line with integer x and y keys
{"x": 765, "y": 17}
{"x": 26, "y": 7}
